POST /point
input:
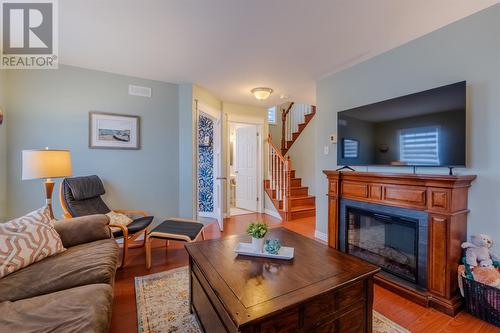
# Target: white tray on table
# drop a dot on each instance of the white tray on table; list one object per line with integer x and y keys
{"x": 246, "y": 249}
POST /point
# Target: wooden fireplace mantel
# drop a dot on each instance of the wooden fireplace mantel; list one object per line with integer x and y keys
{"x": 443, "y": 197}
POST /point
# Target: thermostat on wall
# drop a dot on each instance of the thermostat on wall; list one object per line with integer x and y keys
{"x": 333, "y": 138}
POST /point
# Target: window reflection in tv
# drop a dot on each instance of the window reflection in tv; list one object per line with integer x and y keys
{"x": 422, "y": 129}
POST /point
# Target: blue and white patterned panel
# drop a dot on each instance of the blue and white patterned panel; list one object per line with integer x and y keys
{"x": 205, "y": 164}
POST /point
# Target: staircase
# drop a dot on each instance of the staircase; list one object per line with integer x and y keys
{"x": 294, "y": 120}
{"x": 286, "y": 191}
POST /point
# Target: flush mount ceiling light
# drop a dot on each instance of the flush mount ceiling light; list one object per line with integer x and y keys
{"x": 261, "y": 93}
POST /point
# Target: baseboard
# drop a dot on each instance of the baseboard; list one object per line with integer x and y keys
{"x": 321, "y": 236}
{"x": 273, "y": 213}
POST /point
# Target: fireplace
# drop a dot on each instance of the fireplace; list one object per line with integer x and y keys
{"x": 393, "y": 238}
{"x": 436, "y": 203}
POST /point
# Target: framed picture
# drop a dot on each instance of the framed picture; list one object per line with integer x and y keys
{"x": 113, "y": 131}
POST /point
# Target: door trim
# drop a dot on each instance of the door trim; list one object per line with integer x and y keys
{"x": 259, "y": 124}
{"x": 218, "y": 182}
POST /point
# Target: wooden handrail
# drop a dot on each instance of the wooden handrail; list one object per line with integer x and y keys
{"x": 278, "y": 152}
{"x": 284, "y": 115}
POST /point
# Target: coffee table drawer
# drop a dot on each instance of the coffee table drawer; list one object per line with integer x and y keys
{"x": 352, "y": 321}
{"x": 287, "y": 322}
{"x": 327, "y": 306}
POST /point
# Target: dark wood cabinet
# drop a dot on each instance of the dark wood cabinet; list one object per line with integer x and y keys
{"x": 444, "y": 198}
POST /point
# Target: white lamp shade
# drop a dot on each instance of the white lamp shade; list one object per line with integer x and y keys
{"x": 47, "y": 163}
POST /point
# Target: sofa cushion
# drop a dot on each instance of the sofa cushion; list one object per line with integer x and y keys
{"x": 27, "y": 240}
{"x": 81, "y": 230}
{"x": 80, "y": 309}
{"x": 79, "y": 265}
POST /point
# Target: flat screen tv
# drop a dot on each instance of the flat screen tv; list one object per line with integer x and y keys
{"x": 421, "y": 129}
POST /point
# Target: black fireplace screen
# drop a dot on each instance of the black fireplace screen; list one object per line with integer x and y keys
{"x": 388, "y": 241}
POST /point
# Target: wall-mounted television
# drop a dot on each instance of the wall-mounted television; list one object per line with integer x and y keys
{"x": 422, "y": 129}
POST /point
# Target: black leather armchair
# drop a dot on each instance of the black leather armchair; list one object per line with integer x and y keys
{"x": 81, "y": 196}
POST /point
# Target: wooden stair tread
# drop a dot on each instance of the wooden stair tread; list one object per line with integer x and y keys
{"x": 302, "y": 208}
{"x": 299, "y": 197}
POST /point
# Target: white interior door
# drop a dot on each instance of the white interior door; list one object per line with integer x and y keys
{"x": 246, "y": 167}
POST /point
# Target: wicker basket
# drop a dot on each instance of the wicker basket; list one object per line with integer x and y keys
{"x": 481, "y": 300}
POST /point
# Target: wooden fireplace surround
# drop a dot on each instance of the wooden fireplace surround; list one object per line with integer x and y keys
{"x": 444, "y": 198}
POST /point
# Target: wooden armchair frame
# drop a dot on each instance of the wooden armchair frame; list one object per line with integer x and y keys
{"x": 127, "y": 238}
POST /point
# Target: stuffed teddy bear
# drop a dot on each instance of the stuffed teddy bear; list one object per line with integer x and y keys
{"x": 480, "y": 258}
{"x": 478, "y": 252}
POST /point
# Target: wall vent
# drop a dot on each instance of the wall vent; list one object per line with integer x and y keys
{"x": 139, "y": 91}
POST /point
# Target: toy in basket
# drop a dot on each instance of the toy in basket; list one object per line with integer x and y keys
{"x": 479, "y": 279}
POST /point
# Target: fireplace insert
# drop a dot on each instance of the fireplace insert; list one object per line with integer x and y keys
{"x": 390, "y": 242}
{"x": 394, "y": 239}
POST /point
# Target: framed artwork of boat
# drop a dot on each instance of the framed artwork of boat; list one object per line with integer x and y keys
{"x": 113, "y": 131}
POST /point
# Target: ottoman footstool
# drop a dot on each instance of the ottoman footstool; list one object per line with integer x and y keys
{"x": 184, "y": 230}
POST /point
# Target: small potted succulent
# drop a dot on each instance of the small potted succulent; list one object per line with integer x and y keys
{"x": 257, "y": 230}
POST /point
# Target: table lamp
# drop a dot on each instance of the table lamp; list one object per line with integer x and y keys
{"x": 46, "y": 164}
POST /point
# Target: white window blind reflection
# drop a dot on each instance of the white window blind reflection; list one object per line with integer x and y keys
{"x": 351, "y": 148}
{"x": 419, "y": 146}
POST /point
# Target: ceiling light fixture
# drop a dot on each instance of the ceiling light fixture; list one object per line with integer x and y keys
{"x": 261, "y": 93}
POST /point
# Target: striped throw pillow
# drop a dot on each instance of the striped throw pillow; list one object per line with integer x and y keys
{"x": 26, "y": 240}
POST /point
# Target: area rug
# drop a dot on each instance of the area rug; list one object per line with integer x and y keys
{"x": 162, "y": 302}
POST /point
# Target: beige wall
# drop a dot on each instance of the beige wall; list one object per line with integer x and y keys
{"x": 206, "y": 97}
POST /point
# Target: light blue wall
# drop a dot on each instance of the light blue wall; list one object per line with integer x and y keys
{"x": 465, "y": 50}
{"x": 3, "y": 148}
{"x": 186, "y": 184}
{"x": 50, "y": 108}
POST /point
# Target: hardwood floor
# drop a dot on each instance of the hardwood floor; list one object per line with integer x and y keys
{"x": 409, "y": 315}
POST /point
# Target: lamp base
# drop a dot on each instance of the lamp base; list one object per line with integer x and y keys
{"x": 49, "y": 189}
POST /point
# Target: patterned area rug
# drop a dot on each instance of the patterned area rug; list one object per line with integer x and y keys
{"x": 162, "y": 301}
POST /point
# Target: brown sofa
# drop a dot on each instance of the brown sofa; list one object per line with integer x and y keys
{"x": 68, "y": 292}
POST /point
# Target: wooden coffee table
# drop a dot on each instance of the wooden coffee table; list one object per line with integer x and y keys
{"x": 320, "y": 290}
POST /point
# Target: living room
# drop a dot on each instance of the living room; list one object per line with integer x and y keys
{"x": 104, "y": 144}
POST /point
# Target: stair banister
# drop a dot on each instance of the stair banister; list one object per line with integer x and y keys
{"x": 290, "y": 198}
{"x": 280, "y": 175}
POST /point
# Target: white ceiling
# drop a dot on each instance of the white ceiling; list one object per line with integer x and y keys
{"x": 232, "y": 46}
